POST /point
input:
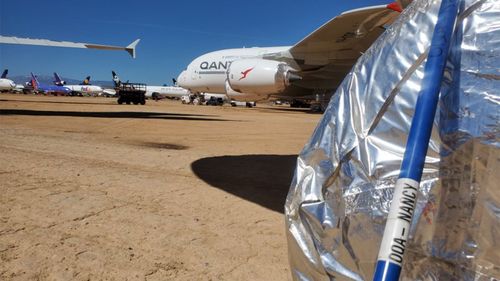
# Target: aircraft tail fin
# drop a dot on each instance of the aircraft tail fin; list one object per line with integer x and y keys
{"x": 58, "y": 81}
{"x": 116, "y": 79}
{"x": 131, "y": 48}
{"x": 86, "y": 81}
{"x": 34, "y": 81}
{"x": 4, "y": 74}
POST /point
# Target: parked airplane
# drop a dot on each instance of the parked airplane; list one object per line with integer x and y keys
{"x": 48, "y": 89}
{"x": 157, "y": 92}
{"x": 207, "y": 96}
{"x": 6, "y": 84}
{"x": 44, "y": 42}
{"x": 313, "y": 67}
{"x": 82, "y": 88}
{"x": 108, "y": 92}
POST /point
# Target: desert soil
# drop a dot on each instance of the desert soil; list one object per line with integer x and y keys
{"x": 92, "y": 190}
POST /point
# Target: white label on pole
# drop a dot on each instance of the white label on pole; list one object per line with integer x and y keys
{"x": 399, "y": 219}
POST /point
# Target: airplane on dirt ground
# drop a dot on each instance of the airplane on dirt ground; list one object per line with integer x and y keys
{"x": 311, "y": 69}
{"x": 84, "y": 88}
{"x": 5, "y": 83}
{"x": 48, "y": 89}
{"x": 158, "y": 92}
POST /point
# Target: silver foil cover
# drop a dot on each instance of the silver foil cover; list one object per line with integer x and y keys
{"x": 343, "y": 184}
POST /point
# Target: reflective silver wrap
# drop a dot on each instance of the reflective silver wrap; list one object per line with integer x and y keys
{"x": 343, "y": 184}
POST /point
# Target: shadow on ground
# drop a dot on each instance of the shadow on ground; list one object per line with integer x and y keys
{"x": 109, "y": 114}
{"x": 160, "y": 145}
{"x": 262, "y": 179}
{"x": 98, "y": 102}
{"x": 286, "y": 109}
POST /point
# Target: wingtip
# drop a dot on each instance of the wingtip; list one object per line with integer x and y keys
{"x": 131, "y": 48}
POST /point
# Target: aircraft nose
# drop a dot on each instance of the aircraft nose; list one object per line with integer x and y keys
{"x": 182, "y": 80}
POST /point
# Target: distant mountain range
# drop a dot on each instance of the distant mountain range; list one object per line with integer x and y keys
{"x": 49, "y": 80}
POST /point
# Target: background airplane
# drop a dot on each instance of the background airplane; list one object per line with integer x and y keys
{"x": 83, "y": 88}
{"x": 48, "y": 89}
{"x": 6, "y": 84}
{"x": 158, "y": 92}
{"x": 50, "y": 43}
{"x": 312, "y": 68}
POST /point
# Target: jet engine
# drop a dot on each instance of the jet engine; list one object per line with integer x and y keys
{"x": 260, "y": 76}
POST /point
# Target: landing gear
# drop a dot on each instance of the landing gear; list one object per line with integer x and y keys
{"x": 299, "y": 104}
{"x": 320, "y": 104}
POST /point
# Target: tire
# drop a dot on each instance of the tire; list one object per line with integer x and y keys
{"x": 127, "y": 102}
{"x": 143, "y": 102}
{"x": 120, "y": 101}
{"x": 135, "y": 102}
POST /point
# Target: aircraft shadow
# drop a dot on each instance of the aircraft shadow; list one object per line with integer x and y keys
{"x": 110, "y": 114}
{"x": 60, "y": 102}
{"x": 290, "y": 110}
{"x": 262, "y": 179}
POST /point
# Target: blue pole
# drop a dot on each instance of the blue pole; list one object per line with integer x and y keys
{"x": 397, "y": 228}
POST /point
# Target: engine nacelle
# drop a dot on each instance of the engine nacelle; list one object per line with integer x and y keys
{"x": 260, "y": 76}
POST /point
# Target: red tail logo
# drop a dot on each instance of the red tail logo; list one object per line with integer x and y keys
{"x": 34, "y": 84}
{"x": 245, "y": 73}
{"x": 395, "y": 7}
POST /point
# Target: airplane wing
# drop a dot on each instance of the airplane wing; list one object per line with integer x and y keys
{"x": 44, "y": 42}
{"x": 325, "y": 56}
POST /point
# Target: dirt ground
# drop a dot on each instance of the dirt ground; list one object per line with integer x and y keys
{"x": 92, "y": 190}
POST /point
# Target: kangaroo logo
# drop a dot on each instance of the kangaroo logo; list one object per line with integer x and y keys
{"x": 245, "y": 73}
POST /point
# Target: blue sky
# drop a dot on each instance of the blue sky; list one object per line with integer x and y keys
{"x": 172, "y": 33}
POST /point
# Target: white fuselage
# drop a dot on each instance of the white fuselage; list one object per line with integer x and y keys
{"x": 18, "y": 88}
{"x": 207, "y": 96}
{"x": 314, "y": 66}
{"x": 108, "y": 92}
{"x": 208, "y": 73}
{"x": 6, "y": 84}
{"x": 85, "y": 89}
{"x": 166, "y": 91}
